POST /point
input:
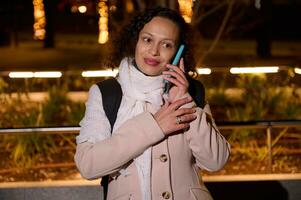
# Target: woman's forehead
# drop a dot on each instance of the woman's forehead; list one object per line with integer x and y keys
{"x": 162, "y": 28}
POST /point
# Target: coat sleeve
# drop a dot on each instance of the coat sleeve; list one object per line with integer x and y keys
{"x": 98, "y": 154}
{"x": 209, "y": 147}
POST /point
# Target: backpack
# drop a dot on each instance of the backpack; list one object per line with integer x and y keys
{"x": 111, "y": 93}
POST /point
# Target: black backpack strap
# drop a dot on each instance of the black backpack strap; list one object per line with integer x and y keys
{"x": 105, "y": 185}
{"x": 197, "y": 91}
{"x": 111, "y": 98}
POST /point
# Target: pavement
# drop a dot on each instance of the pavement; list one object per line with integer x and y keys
{"x": 259, "y": 187}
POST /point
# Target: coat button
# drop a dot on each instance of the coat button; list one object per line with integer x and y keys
{"x": 163, "y": 158}
{"x": 166, "y": 195}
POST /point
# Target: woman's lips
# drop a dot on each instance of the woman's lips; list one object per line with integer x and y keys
{"x": 150, "y": 61}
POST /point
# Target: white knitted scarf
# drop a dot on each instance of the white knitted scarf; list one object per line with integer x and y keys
{"x": 139, "y": 89}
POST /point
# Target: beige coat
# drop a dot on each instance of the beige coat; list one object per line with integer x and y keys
{"x": 176, "y": 160}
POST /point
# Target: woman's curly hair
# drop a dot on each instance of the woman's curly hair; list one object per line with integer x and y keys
{"x": 125, "y": 43}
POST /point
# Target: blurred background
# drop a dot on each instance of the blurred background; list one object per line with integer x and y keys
{"x": 248, "y": 58}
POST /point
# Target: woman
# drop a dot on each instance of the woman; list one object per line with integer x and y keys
{"x": 157, "y": 146}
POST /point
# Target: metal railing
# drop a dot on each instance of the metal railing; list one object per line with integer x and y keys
{"x": 268, "y": 125}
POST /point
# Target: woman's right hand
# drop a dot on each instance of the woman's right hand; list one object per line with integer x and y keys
{"x": 171, "y": 117}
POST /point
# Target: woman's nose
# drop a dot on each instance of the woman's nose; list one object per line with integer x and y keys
{"x": 154, "y": 50}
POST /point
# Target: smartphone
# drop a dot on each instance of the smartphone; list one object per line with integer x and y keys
{"x": 167, "y": 84}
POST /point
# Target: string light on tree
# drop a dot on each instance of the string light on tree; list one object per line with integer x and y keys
{"x": 39, "y": 20}
{"x": 82, "y": 9}
{"x": 129, "y": 6}
{"x": 103, "y": 21}
{"x": 185, "y": 7}
{"x": 257, "y": 4}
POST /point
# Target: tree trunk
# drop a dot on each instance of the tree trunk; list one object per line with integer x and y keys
{"x": 263, "y": 37}
{"x": 14, "y": 31}
{"x": 49, "y": 6}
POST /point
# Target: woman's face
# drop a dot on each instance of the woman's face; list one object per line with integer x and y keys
{"x": 157, "y": 43}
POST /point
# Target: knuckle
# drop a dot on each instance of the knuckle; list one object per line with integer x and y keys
{"x": 185, "y": 126}
{"x": 187, "y": 110}
{"x": 179, "y": 101}
{"x": 181, "y": 112}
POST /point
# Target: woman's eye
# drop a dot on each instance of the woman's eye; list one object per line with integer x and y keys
{"x": 146, "y": 39}
{"x": 167, "y": 45}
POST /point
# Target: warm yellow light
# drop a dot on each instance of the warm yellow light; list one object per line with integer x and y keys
{"x": 21, "y": 74}
{"x": 103, "y": 22}
{"x": 74, "y": 9}
{"x": 39, "y": 13}
{"x": 203, "y": 70}
{"x": 113, "y": 8}
{"x": 297, "y": 70}
{"x": 103, "y": 12}
{"x": 185, "y": 7}
{"x": 53, "y": 74}
{"x": 100, "y": 73}
{"x": 101, "y": 3}
{"x": 244, "y": 70}
{"x": 103, "y": 27}
{"x": 129, "y": 6}
{"x": 103, "y": 37}
{"x": 82, "y": 9}
{"x": 187, "y": 19}
{"x": 39, "y": 20}
{"x": 40, "y": 34}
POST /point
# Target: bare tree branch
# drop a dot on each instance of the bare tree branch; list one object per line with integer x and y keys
{"x": 210, "y": 12}
{"x": 139, "y": 4}
{"x": 219, "y": 33}
{"x": 173, "y": 5}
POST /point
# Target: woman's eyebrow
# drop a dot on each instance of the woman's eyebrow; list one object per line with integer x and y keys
{"x": 169, "y": 39}
{"x": 143, "y": 32}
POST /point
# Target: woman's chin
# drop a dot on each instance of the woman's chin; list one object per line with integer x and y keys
{"x": 151, "y": 72}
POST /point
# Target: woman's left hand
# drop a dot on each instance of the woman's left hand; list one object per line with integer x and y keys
{"x": 178, "y": 79}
